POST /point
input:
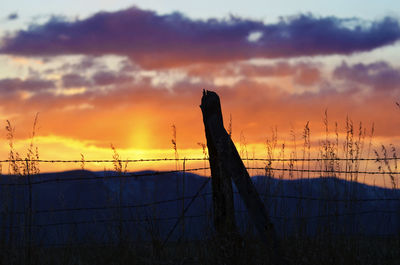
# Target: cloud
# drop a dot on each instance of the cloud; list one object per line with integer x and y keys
{"x": 74, "y": 80}
{"x": 160, "y": 41}
{"x": 255, "y": 107}
{"x": 278, "y": 69}
{"x": 303, "y": 73}
{"x": 12, "y": 16}
{"x": 143, "y": 107}
{"x": 307, "y": 75}
{"x": 12, "y": 85}
{"x": 105, "y": 78}
{"x": 381, "y": 76}
{"x": 80, "y": 66}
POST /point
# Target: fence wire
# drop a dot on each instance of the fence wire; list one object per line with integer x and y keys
{"x": 178, "y": 219}
{"x": 122, "y": 175}
{"x": 197, "y": 159}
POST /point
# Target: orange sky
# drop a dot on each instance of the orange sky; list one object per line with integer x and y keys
{"x": 89, "y": 97}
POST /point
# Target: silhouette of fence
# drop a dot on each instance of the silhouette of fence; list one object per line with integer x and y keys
{"x": 268, "y": 170}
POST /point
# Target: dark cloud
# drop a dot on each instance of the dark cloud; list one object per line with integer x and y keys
{"x": 379, "y": 75}
{"x": 303, "y": 73}
{"x": 105, "y": 78}
{"x": 74, "y": 80}
{"x": 278, "y": 69}
{"x": 157, "y": 41}
{"x": 12, "y": 85}
{"x": 126, "y": 66}
{"x": 307, "y": 75}
{"x": 248, "y": 101}
{"x": 12, "y": 16}
{"x": 275, "y": 70}
{"x": 84, "y": 64}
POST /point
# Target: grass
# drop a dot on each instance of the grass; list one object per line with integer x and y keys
{"x": 302, "y": 250}
{"x": 299, "y": 248}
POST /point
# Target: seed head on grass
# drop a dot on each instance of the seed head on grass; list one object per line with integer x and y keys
{"x": 82, "y": 162}
{"x": 205, "y": 154}
{"x": 14, "y": 157}
{"x": 175, "y": 147}
{"x": 32, "y": 155}
{"x": 116, "y": 160}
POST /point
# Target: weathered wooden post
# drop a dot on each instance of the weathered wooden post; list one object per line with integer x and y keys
{"x": 226, "y": 164}
{"x": 222, "y": 194}
{"x": 227, "y": 241}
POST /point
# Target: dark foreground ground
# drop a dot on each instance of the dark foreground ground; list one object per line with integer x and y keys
{"x": 83, "y": 217}
{"x": 297, "y": 250}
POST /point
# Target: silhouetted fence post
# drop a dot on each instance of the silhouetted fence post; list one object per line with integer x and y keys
{"x": 225, "y": 163}
{"x": 223, "y": 207}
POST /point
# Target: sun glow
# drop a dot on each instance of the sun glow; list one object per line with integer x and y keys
{"x": 140, "y": 134}
{"x": 61, "y": 148}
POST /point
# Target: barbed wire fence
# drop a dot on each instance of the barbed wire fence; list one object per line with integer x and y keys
{"x": 11, "y": 221}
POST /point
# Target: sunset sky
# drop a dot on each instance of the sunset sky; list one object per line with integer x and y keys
{"x": 123, "y": 72}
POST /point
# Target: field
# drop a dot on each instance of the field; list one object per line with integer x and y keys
{"x": 320, "y": 199}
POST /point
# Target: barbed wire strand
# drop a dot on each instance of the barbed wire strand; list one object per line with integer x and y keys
{"x": 123, "y": 175}
{"x": 148, "y": 218}
{"x": 111, "y": 207}
{"x": 185, "y": 210}
{"x": 193, "y": 159}
{"x": 136, "y": 175}
{"x": 326, "y": 171}
{"x": 149, "y": 204}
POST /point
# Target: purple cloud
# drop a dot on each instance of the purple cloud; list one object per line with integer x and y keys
{"x": 12, "y": 85}
{"x": 379, "y": 75}
{"x": 74, "y": 80}
{"x": 105, "y": 78}
{"x": 307, "y": 75}
{"x": 12, "y": 16}
{"x": 277, "y": 69}
{"x": 157, "y": 41}
{"x": 303, "y": 73}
